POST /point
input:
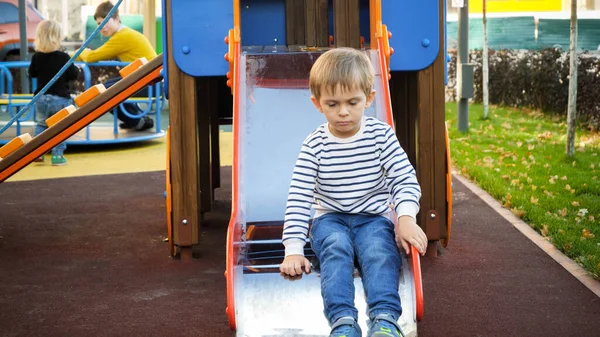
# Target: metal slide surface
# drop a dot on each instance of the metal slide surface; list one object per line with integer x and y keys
{"x": 80, "y": 118}
{"x": 275, "y": 116}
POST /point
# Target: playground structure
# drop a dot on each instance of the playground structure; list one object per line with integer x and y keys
{"x": 100, "y": 132}
{"x": 269, "y": 52}
{"x": 91, "y": 104}
{"x": 263, "y": 82}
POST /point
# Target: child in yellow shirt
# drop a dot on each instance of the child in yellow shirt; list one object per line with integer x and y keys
{"x": 127, "y": 45}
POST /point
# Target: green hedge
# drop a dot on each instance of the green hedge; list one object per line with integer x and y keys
{"x": 519, "y": 33}
{"x": 536, "y": 79}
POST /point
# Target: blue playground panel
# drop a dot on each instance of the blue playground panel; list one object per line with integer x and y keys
{"x": 199, "y": 28}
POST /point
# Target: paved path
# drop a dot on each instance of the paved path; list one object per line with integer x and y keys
{"x": 85, "y": 256}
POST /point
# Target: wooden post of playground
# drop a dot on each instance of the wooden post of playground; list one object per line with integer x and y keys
{"x": 150, "y": 21}
{"x": 295, "y": 21}
{"x": 346, "y": 23}
{"x": 317, "y": 23}
{"x": 419, "y": 97}
{"x": 184, "y": 150}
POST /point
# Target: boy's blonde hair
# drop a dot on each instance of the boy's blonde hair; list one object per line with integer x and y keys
{"x": 48, "y": 36}
{"x": 347, "y": 67}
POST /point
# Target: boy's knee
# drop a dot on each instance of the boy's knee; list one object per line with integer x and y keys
{"x": 338, "y": 241}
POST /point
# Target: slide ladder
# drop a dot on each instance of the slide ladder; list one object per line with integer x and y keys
{"x": 90, "y": 105}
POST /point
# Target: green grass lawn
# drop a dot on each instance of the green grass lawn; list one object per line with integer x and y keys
{"x": 519, "y": 158}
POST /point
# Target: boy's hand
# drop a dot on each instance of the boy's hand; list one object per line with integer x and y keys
{"x": 409, "y": 233}
{"x": 291, "y": 267}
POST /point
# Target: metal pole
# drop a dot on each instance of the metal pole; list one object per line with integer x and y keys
{"x": 23, "y": 51}
{"x": 462, "y": 57}
{"x": 572, "y": 103}
{"x": 64, "y": 17}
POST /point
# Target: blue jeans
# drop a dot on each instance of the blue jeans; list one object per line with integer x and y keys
{"x": 46, "y": 106}
{"x": 339, "y": 241}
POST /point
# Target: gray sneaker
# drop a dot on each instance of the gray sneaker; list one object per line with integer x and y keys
{"x": 385, "y": 326}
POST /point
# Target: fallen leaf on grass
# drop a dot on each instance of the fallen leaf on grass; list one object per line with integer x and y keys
{"x": 518, "y": 212}
{"x": 563, "y": 212}
{"x": 530, "y": 147}
{"x": 546, "y": 165}
{"x": 507, "y": 201}
{"x": 533, "y": 200}
{"x": 519, "y": 144}
{"x": 563, "y": 178}
{"x": 551, "y": 180}
{"x": 567, "y": 246}
{"x": 567, "y": 187}
{"x": 573, "y": 164}
{"x": 591, "y": 218}
{"x": 544, "y": 135}
{"x": 587, "y": 234}
{"x": 575, "y": 203}
{"x": 544, "y": 230}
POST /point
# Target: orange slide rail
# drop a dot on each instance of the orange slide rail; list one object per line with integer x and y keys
{"x": 380, "y": 33}
{"x": 79, "y": 124}
{"x": 233, "y": 229}
{"x": 448, "y": 189}
{"x": 415, "y": 258}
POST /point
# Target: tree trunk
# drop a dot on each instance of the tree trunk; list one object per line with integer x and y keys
{"x": 485, "y": 69}
{"x": 572, "y": 105}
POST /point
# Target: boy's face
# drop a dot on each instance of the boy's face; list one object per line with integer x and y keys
{"x": 343, "y": 109}
{"x": 111, "y": 26}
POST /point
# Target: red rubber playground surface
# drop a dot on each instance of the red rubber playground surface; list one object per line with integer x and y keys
{"x": 85, "y": 257}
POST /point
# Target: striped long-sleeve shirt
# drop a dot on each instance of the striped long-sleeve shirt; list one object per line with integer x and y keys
{"x": 366, "y": 173}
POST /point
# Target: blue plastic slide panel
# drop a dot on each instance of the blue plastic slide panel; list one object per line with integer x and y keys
{"x": 415, "y": 29}
{"x": 199, "y": 28}
{"x": 263, "y": 22}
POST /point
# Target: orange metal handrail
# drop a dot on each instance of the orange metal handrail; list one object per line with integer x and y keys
{"x": 232, "y": 230}
{"x": 448, "y": 189}
{"x": 169, "y": 200}
{"x": 415, "y": 259}
{"x": 416, "y": 267}
{"x": 375, "y": 21}
{"x": 386, "y": 84}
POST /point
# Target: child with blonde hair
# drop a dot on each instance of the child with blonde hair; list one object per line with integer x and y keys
{"x": 45, "y": 64}
{"x": 350, "y": 170}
